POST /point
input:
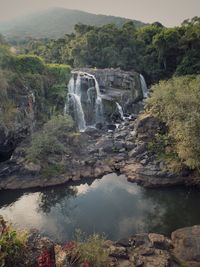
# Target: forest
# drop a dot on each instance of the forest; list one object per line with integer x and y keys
{"x": 153, "y": 50}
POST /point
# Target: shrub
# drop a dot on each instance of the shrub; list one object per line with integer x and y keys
{"x": 50, "y": 141}
{"x": 6, "y": 57}
{"x": 92, "y": 251}
{"x": 86, "y": 251}
{"x": 176, "y": 103}
{"x": 29, "y": 64}
{"x": 60, "y": 71}
{"x": 12, "y": 245}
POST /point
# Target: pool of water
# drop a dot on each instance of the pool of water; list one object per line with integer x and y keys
{"x": 110, "y": 206}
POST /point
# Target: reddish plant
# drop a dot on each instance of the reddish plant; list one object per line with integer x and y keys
{"x": 85, "y": 264}
{"x": 69, "y": 246}
{"x": 45, "y": 260}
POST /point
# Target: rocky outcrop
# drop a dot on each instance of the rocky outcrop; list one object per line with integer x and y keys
{"x": 186, "y": 242}
{"x": 123, "y": 150}
{"x": 119, "y": 86}
{"x": 152, "y": 250}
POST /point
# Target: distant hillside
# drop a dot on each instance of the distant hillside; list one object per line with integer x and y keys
{"x": 55, "y": 22}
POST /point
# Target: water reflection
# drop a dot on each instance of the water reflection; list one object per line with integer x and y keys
{"x": 110, "y": 205}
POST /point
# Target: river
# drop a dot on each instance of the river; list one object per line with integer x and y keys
{"x": 111, "y": 206}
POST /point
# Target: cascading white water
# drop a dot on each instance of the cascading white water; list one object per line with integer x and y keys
{"x": 79, "y": 106}
{"x": 74, "y": 94}
{"x": 99, "y": 105}
{"x": 120, "y": 110}
{"x": 144, "y": 86}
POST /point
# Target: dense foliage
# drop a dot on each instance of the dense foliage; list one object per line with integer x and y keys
{"x": 28, "y": 74}
{"x": 153, "y": 50}
{"x": 12, "y": 246}
{"x": 51, "y": 142}
{"x": 176, "y": 103}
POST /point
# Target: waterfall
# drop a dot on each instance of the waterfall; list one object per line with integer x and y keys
{"x": 80, "y": 102}
{"x": 120, "y": 110}
{"x": 144, "y": 86}
{"x": 99, "y": 105}
{"x": 74, "y": 95}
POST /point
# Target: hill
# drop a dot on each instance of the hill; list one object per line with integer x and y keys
{"x": 55, "y": 22}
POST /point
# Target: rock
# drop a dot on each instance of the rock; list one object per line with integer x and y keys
{"x": 119, "y": 86}
{"x": 118, "y": 252}
{"x": 121, "y": 134}
{"x": 186, "y": 242}
{"x": 130, "y": 145}
{"x": 126, "y": 242}
{"x": 147, "y": 127}
{"x": 91, "y": 131}
{"x": 160, "y": 241}
{"x": 138, "y": 150}
{"x": 33, "y": 167}
{"x": 111, "y": 127}
{"x": 105, "y": 144}
{"x": 118, "y": 145}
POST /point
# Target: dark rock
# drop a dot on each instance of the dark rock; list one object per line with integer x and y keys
{"x": 111, "y": 127}
{"x": 140, "y": 149}
{"x": 126, "y": 242}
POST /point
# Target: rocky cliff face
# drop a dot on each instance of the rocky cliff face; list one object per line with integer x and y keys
{"x": 119, "y": 86}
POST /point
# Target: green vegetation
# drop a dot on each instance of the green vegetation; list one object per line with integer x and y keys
{"x": 176, "y": 103}
{"x": 92, "y": 251}
{"x": 156, "y": 51}
{"x": 29, "y": 75}
{"x": 51, "y": 142}
{"x": 84, "y": 251}
{"x": 29, "y": 64}
{"x": 12, "y": 245}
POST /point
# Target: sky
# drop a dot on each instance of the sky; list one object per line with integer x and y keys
{"x": 168, "y": 12}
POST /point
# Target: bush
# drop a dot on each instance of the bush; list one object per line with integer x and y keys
{"x": 85, "y": 251}
{"x": 50, "y": 140}
{"x": 12, "y": 245}
{"x": 6, "y": 57}
{"x": 92, "y": 251}
{"x": 29, "y": 64}
{"x": 60, "y": 71}
{"x": 176, "y": 103}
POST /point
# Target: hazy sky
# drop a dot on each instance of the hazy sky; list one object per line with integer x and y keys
{"x": 168, "y": 12}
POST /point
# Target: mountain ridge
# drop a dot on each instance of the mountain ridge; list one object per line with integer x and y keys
{"x": 56, "y": 22}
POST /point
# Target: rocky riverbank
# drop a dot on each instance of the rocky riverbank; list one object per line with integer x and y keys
{"x": 123, "y": 150}
{"x": 140, "y": 250}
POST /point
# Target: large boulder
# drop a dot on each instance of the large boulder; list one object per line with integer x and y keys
{"x": 186, "y": 242}
{"x": 147, "y": 126}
